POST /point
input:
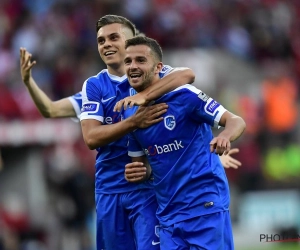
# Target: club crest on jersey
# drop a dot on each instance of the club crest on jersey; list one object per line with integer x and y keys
{"x": 157, "y": 228}
{"x": 90, "y": 107}
{"x": 211, "y": 107}
{"x": 170, "y": 122}
{"x": 132, "y": 91}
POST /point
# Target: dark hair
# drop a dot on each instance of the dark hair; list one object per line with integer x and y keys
{"x": 143, "y": 40}
{"x": 111, "y": 19}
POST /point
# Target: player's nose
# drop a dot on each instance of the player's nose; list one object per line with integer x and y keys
{"x": 133, "y": 65}
{"x": 107, "y": 43}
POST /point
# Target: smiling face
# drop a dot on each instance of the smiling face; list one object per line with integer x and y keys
{"x": 141, "y": 67}
{"x": 111, "y": 46}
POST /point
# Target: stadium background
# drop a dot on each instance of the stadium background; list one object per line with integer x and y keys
{"x": 245, "y": 53}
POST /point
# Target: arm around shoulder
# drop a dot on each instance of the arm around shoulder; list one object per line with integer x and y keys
{"x": 176, "y": 78}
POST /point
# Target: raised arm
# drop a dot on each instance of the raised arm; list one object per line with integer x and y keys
{"x": 234, "y": 126}
{"x": 176, "y": 78}
{"x": 47, "y": 107}
{"x": 97, "y": 135}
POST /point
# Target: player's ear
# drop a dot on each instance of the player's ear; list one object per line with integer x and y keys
{"x": 159, "y": 67}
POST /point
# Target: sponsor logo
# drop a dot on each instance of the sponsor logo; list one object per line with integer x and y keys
{"x": 162, "y": 149}
{"x": 170, "y": 122}
{"x": 90, "y": 107}
{"x": 114, "y": 119}
{"x": 155, "y": 242}
{"x": 211, "y": 107}
{"x": 106, "y": 100}
{"x": 204, "y": 97}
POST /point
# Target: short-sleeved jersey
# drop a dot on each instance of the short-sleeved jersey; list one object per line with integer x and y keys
{"x": 100, "y": 93}
{"x": 76, "y": 101}
{"x": 189, "y": 181}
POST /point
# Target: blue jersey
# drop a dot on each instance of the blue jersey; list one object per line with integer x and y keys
{"x": 189, "y": 181}
{"x": 100, "y": 93}
{"x": 76, "y": 101}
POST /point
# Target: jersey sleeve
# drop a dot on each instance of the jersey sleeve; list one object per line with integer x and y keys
{"x": 134, "y": 148}
{"x": 76, "y": 101}
{"x": 202, "y": 107}
{"x": 165, "y": 71}
{"x": 91, "y": 102}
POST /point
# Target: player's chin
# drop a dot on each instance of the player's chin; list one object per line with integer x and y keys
{"x": 111, "y": 61}
{"x": 135, "y": 83}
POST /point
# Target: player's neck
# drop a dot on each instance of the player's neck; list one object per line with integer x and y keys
{"x": 145, "y": 86}
{"x": 116, "y": 70}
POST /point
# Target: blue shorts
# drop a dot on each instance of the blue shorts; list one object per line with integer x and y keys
{"x": 207, "y": 232}
{"x": 127, "y": 221}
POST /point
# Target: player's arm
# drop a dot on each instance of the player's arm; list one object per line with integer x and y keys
{"x": 95, "y": 134}
{"x": 234, "y": 126}
{"x": 176, "y": 78}
{"x": 47, "y": 107}
{"x": 138, "y": 170}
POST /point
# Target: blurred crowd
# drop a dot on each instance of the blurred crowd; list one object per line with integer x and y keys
{"x": 61, "y": 36}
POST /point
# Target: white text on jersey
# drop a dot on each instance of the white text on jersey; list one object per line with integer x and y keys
{"x": 166, "y": 148}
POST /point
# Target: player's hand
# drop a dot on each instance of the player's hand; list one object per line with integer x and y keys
{"x": 220, "y": 145}
{"x": 26, "y": 65}
{"x": 138, "y": 100}
{"x": 149, "y": 115}
{"x": 228, "y": 161}
{"x": 135, "y": 172}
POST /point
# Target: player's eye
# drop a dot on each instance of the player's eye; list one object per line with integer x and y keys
{"x": 141, "y": 60}
{"x": 114, "y": 38}
{"x": 127, "y": 61}
{"x": 101, "y": 41}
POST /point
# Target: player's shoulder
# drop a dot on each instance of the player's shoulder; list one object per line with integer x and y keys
{"x": 187, "y": 88}
{"x": 77, "y": 96}
{"x": 166, "y": 69}
{"x": 103, "y": 73}
{"x": 186, "y": 93}
{"x": 94, "y": 82}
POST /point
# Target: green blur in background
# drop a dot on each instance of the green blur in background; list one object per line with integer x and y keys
{"x": 283, "y": 246}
